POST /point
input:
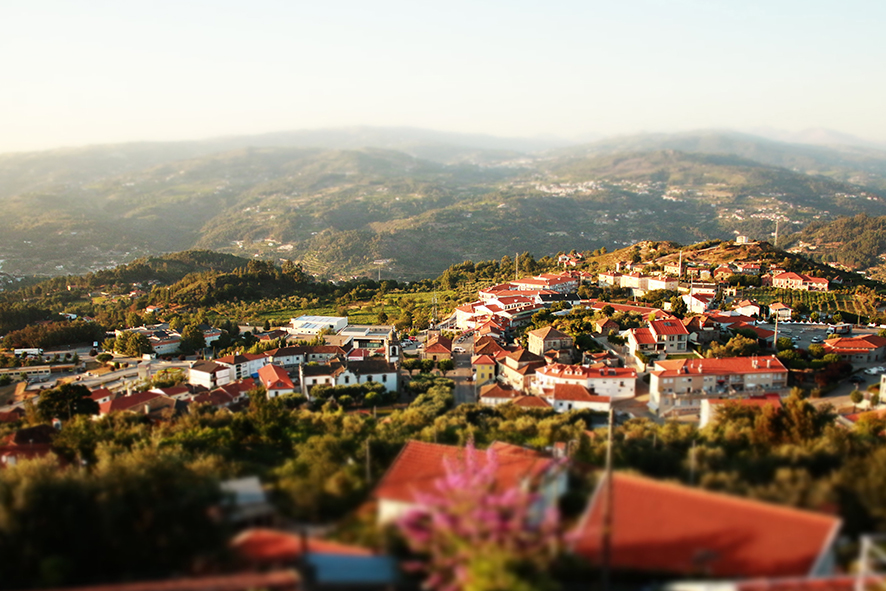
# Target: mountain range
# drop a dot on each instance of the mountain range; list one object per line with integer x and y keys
{"x": 407, "y": 203}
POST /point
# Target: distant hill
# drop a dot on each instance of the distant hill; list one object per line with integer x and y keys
{"x": 855, "y": 164}
{"x": 368, "y": 211}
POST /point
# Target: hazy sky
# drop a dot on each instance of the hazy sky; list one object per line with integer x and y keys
{"x": 93, "y": 71}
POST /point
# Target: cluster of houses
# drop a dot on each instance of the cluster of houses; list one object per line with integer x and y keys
{"x": 165, "y": 340}
{"x": 632, "y": 276}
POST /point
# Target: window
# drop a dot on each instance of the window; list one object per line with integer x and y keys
{"x": 384, "y": 378}
{"x": 347, "y": 379}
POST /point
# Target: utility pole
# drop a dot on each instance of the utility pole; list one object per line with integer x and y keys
{"x": 606, "y": 546}
{"x": 680, "y": 266}
{"x": 776, "y": 233}
{"x": 368, "y": 463}
{"x": 516, "y": 266}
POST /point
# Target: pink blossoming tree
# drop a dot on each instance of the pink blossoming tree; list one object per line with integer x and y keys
{"x": 478, "y": 535}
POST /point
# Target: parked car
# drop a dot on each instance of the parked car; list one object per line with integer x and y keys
{"x": 871, "y": 371}
{"x": 817, "y": 339}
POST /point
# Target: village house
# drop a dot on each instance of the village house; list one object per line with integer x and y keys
{"x": 701, "y": 532}
{"x": 660, "y": 337}
{"x": 781, "y": 311}
{"x": 679, "y": 385}
{"x": 698, "y": 303}
{"x": 567, "y": 397}
{"x": 617, "y": 383}
{"x": 518, "y": 368}
{"x": 747, "y": 308}
{"x": 438, "y": 348}
{"x": 483, "y": 369}
{"x": 209, "y": 374}
{"x": 799, "y": 281}
{"x": 276, "y": 381}
{"x": 419, "y": 466}
{"x": 546, "y": 339}
{"x": 244, "y": 365}
{"x": 861, "y": 349}
{"x": 563, "y": 283}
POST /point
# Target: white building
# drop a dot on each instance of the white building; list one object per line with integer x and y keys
{"x": 314, "y": 325}
{"x": 613, "y": 382}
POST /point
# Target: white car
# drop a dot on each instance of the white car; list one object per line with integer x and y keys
{"x": 871, "y": 371}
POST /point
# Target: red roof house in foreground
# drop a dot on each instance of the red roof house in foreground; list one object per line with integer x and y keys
{"x": 420, "y": 465}
{"x": 665, "y": 528}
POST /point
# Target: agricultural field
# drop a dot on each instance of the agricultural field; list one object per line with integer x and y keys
{"x": 823, "y": 302}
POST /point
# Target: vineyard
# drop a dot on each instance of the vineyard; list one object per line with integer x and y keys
{"x": 829, "y": 302}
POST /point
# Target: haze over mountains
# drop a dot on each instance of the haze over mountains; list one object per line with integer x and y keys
{"x": 408, "y": 202}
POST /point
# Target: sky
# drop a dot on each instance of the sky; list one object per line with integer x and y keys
{"x": 77, "y": 73}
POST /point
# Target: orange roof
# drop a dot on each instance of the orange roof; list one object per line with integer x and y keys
{"x": 664, "y": 527}
{"x": 643, "y": 336}
{"x": 724, "y": 366}
{"x": 100, "y": 393}
{"x": 419, "y": 465}
{"x": 482, "y": 360}
{"x": 865, "y": 342}
{"x": 497, "y": 390}
{"x": 549, "y": 332}
{"x": 668, "y": 327}
{"x": 575, "y": 393}
{"x": 530, "y": 402}
{"x": 564, "y": 371}
{"x": 275, "y": 377}
{"x": 272, "y": 546}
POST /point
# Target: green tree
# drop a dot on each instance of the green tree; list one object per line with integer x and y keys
{"x": 66, "y": 401}
{"x": 856, "y": 396}
{"x": 784, "y": 344}
{"x": 192, "y": 339}
{"x": 445, "y": 365}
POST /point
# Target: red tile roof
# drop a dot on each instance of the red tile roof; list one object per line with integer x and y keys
{"x": 275, "y": 377}
{"x": 725, "y": 366}
{"x": 266, "y": 546}
{"x": 498, "y": 391}
{"x": 101, "y": 393}
{"x": 663, "y": 527}
{"x": 866, "y": 342}
{"x": 127, "y": 402}
{"x": 419, "y": 465}
{"x": 564, "y": 371}
{"x": 668, "y": 327}
{"x": 530, "y": 402}
{"x": 643, "y": 336}
{"x": 575, "y": 393}
{"x": 482, "y": 360}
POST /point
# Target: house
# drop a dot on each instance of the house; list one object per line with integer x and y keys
{"x": 276, "y": 381}
{"x": 661, "y": 337}
{"x": 605, "y": 324}
{"x": 497, "y": 393}
{"x": 549, "y": 338}
{"x": 102, "y": 395}
{"x": 419, "y": 466}
{"x": 609, "y": 279}
{"x": 668, "y": 283}
{"x": 26, "y": 444}
{"x": 781, "y": 311}
{"x": 698, "y": 303}
{"x": 517, "y": 369}
{"x": 749, "y": 268}
{"x": 139, "y": 402}
{"x": 723, "y": 272}
{"x": 563, "y": 283}
{"x": 702, "y": 330}
{"x": 311, "y": 375}
{"x": 438, "y": 349}
{"x": 617, "y": 383}
{"x": 799, "y": 281}
{"x": 861, "y": 349}
{"x": 566, "y": 397}
{"x": 373, "y": 369}
{"x": 679, "y": 385}
{"x": 209, "y": 374}
{"x": 710, "y": 407}
{"x": 287, "y": 357}
{"x": 664, "y": 528}
{"x": 747, "y": 308}
{"x": 243, "y": 365}
{"x": 227, "y": 395}
{"x": 482, "y": 369}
